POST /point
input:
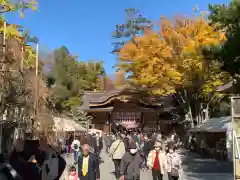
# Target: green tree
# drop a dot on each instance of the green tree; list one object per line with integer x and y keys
{"x": 70, "y": 78}
{"x": 226, "y": 18}
{"x": 134, "y": 25}
{"x": 81, "y": 117}
{"x": 62, "y": 78}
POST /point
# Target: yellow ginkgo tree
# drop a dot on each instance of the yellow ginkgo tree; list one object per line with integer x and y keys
{"x": 14, "y": 34}
{"x": 172, "y": 61}
{"x": 190, "y": 38}
{"x": 149, "y": 60}
{"x": 17, "y": 85}
{"x": 14, "y": 31}
{"x": 19, "y": 5}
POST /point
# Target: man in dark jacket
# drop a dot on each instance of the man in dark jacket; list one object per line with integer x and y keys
{"x": 98, "y": 144}
{"x": 126, "y": 142}
{"x": 146, "y": 149}
{"x": 88, "y": 165}
{"x": 131, "y": 163}
{"x": 108, "y": 142}
{"x": 91, "y": 142}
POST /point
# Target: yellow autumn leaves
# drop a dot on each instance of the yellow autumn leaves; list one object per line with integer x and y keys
{"x": 9, "y": 5}
{"x": 12, "y": 30}
{"x": 172, "y": 57}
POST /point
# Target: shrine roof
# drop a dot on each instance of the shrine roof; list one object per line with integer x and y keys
{"x": 94, "y": 99}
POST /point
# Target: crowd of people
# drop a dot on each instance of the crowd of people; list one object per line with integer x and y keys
{"x": 131, "y": 152}
{"x": 33, "y": 159}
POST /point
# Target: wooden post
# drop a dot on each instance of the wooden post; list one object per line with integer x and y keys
{"x": 109, "y": 123}
{"x": 22, "y": 59}
{"x": 36, "y": 92}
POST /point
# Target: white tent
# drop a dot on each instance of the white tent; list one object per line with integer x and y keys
{"x": 91, "y": 131}
{"x": 63, "y": 124}
{"x": 220, "y": 124}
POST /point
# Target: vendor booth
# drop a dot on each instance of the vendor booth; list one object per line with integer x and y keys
{"x": 67, "y": 130}
{"x": 217, "y": 133}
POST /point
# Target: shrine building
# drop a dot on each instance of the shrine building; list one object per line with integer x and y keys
{"x": 129, "y": 109}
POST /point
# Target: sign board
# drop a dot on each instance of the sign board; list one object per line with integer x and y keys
{"x": 126, "y": 116}
{"x": 235, "y": 111}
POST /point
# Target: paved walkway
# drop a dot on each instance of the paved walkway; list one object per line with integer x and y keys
{"x": 197, "y": 168}
{"x": 194, "y": 168}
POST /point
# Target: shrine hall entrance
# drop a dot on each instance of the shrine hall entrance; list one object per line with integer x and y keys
{"x": 124, "y": 107}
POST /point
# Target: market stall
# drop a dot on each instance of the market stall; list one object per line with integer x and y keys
{"x": 218, "y": 135}
{"x": 67, "y": 130}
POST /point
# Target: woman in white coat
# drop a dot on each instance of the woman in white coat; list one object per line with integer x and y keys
{"x": 116, "y": 152}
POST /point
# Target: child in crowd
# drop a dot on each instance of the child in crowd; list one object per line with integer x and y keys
{"x": 73, "y": 173}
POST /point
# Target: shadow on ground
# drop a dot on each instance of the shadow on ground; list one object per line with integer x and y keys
{"x": 193, "y": 163}
{"x": 201, "y": 176}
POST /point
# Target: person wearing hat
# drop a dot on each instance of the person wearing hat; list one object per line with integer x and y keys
{"x": 157, "y": 161}
{"x": 131, "y": 164}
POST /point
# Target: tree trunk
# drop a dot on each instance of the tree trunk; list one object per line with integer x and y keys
{"x": 190, "y": 115}
{"x": 207, "y": 112}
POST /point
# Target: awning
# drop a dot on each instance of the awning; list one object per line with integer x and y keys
{"x": 63, "y": 124}
{"x": 220, "y": 124}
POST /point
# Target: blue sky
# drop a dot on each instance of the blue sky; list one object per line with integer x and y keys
{"x": 85, "y": 26}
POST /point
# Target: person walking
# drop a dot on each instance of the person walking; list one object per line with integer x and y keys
{"x": 99, "y": 144}
{"x": 76, "y": 148}
{"x": 116, "y": 152}
{"x": 108, "y": 142}
{"x": 88, "y": 165}
{"x": 73, "y": 173}
{"x": 126, "y": 142}
{"x": 146, "y": 149}
{"x": 174, "y": 164}
{"x": 131, "y": 164}
{"x": 157, "y": 162}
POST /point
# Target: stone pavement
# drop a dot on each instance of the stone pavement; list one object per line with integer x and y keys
{"x": 69, "y": 160}
{"x": 194, "y": 168}
{"x": 197, "y": 168}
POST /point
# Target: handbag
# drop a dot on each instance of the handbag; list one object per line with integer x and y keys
{"x": 174, "y": 170}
